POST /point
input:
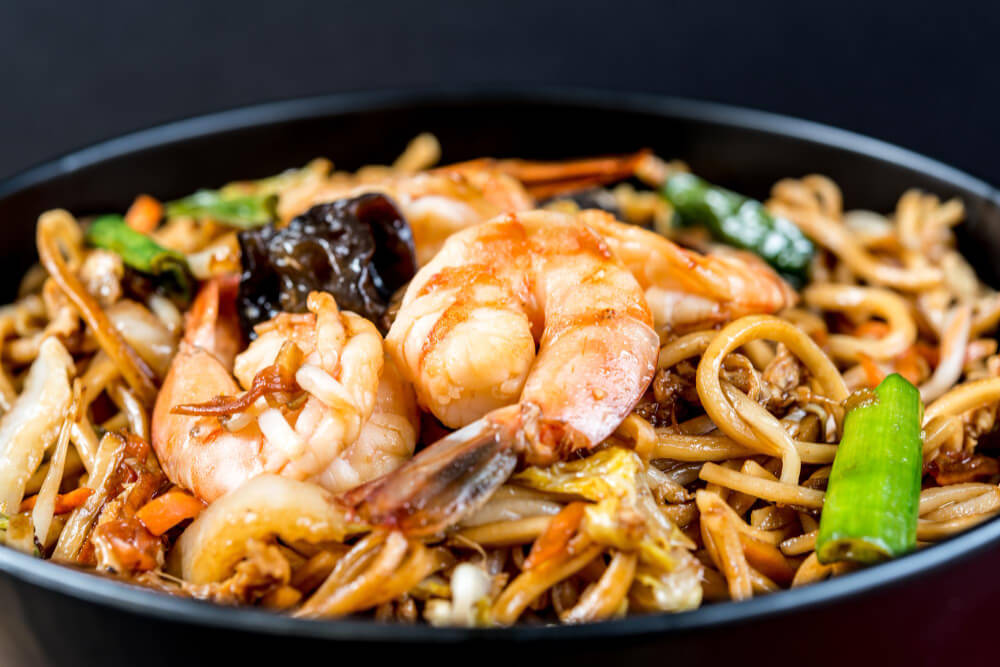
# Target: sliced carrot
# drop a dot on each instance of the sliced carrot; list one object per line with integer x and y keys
{"x": 164, "y": 512}
{"x": 556, "y": 536}
{"x": 873, "y": 375}
{"x": 65, "y": 502}
{"x": 908, "y": 365}
{"x": 871, "y": 329}
{"x": 144, "y": 214}
{"x": 767, "y": 559}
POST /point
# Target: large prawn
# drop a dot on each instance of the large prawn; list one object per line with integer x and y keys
{"x": 532, "y": 337}
{"x": 316, "y": 400}
{"x": 686, "y": 289}
{"x": 465, "y": 336}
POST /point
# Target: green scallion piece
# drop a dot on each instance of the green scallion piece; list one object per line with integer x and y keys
{"x": 742, "y": 223}
{"x": 141, "y": 253}
{"x": 873, "y": 494}
{"x": 223, "y": 206}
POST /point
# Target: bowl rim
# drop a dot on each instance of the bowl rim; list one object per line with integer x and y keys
{"x": 135, "y": 599}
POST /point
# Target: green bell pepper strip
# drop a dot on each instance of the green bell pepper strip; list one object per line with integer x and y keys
{"x": 741, "y": 222}
{"x": 140, "y": 252}
{"x": 873, "y": 494}
{"x": 243, "y": 211}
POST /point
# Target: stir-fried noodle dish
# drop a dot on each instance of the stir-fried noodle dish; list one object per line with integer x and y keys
{"x": 496, "y": 391}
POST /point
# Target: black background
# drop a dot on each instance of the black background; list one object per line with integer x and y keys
{"x": 921, "y": 74}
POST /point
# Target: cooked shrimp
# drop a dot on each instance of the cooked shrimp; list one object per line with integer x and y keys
{"x": 436, "y": 203}
{"x": 465, "y": 336}
{"x": 445, "y": 200}
{"x": 686, "y": 289}
{"x": 315, "y": 400}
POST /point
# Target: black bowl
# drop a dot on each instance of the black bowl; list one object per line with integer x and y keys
{"x": 922, "y": 608}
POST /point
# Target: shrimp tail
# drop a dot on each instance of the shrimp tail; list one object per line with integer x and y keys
{"x": 445, "y": 482}
{"x": 543, "y": 180}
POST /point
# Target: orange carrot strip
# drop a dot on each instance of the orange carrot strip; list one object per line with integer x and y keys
{"x": 871, "y": 329}
{"x": 767, "y": 559}
{"x": 144, "y": 214}
{"x": 908, "y": 365}
{"x": 164, "y": 512}
{"x": 556, "y": 536}
{"x": 65, "y": 502}
{"x": 873, "y": 374}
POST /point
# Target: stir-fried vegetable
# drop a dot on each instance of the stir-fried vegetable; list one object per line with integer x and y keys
{"x": 872, "y": 498}
{"x": 144, "y": 214}
{"x": 141, "y": 253}
{"x": 741, "y": 222}
{"x": 316, "y": 171}
{"x": 224, "y": 207}
{"x": 32, "y": 424}
{"x": 247, "y": 204}
{"x": 164, "y": 512}
{"x": 65, "y": 502}
{"x": 359, "y": 249}
{"x": 18, "y": 533}
{"x": 622, "y": 514}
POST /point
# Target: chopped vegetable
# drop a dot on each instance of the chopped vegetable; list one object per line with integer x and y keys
{"x": 317, "y": 170}
{"x": 561, "y": 529}
{"x": 20, "y": 534}
{"x": 144, "y": 214}
{"x": 359, "y": 250}
{"x": 65, "y": 502}
{"x": 244, "y": 211}
{"x": 872, "y": 497}
{"x": 141, "y": 253}
{"x": 741, "y": 222}
{"x": 623, "y": 513}
{"x": 164, "y": 512}
{"x": 873, "y": 374}
{"x": 33, "y": 422}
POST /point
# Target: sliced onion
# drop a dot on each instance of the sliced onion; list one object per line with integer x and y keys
{"x": 953, "y": 344}
{"x": 145, "y": 332}
{"x": 33, "y": 421}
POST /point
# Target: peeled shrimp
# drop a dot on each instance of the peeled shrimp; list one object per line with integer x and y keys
{"x": 465, "y": 337}
{"x": 686, "y": 289}
{"x": 313, "y": 398}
